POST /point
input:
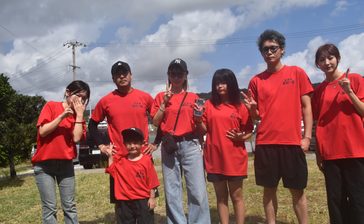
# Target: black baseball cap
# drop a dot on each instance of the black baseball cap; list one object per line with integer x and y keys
{"x": 179, "y": 63}
{"x": 130, "y": 134}
{"x": 120, "y": 67}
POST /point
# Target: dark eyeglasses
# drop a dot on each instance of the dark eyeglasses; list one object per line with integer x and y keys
{"x": 121, "y": 74}
{"x": 272, "y": 49}
{"x": 176, "y": 74}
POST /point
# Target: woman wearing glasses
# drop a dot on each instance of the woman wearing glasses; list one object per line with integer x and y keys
{"x": 187, "y": 159}
{"x": 60, "y": 126}
{"x": 338, "y": 106}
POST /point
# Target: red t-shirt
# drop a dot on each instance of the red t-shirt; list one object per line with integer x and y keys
{"x": 58, "y": 144}
{"x": 123, "y": 111}
{"x": 185, "y": 122}
{"x": 133, "y": 179}
{"x": 279, "y": 103}
{"x": 340, "y": 128}
{"x": 221, "y": 155}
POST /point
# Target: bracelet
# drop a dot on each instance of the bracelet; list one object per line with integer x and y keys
{"x": 79, "y": 122}
{"x": 161, "y": 109}
{"x": 307, "y": 137}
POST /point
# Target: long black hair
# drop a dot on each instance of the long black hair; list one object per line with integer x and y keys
{"x": 79, "y": 86}
{"x": 227, "y": 76}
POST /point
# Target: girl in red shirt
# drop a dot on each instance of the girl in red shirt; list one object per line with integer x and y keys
{"x": 338, "y": 108}
{"x": 60, "y": 126}
{"x": 227, "y": 124}
{"x": 187, "y": 160}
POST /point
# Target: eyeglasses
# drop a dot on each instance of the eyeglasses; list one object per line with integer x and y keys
{"x": 273, "y": 49}
{"x": 117, "y": 75}
{"x": 176, "y": 74}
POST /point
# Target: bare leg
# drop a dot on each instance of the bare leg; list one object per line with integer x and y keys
{"x": 236, "y": 195}
{"x": 222, "y": 195}
{"x": 270, "y": 204}
{"x": 299, "y": 203}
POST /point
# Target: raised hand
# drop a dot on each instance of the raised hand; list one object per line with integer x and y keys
{"x": 109, "y": 150}
{"x": 345, "y": 83}
{"x": 150, "y": 148}
{"x": 67, "y": 112}
{"x": 78, "y": 106}
{"x": 249, "y": 101}
{"x": 168, "y": 94}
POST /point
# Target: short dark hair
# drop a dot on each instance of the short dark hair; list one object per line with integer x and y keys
{"x": 325, "y": 51}
{"x": 227, "y": 76}
{"x": 271, "y": 35}
{"x": 79, "y": 86}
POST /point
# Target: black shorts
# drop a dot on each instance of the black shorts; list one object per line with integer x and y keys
{"x": 273, "y": 162}
{"x": 134, "y": 211}
{"x": 214, "y": 177}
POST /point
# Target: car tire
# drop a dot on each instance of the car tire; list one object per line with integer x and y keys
{"x": 87, "y": 166}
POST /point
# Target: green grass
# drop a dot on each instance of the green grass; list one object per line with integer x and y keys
{"x": 20, "y": 201}
{"x": 5, "y": 171}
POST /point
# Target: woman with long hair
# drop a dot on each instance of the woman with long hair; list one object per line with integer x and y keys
{"x": 227, "y": 123}
{"x": 338, "y": 108}
{"x": 172, "y": 111}
{"x": 60, "y": 126}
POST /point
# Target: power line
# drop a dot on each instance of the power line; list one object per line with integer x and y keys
{"x": 12, "y": 34}
{"x": 52, "y": 57}
{"x": 236, "y": 40}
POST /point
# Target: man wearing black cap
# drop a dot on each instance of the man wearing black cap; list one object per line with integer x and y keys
{"x": 123, "y": 108}
{"x": 135, "y": 177}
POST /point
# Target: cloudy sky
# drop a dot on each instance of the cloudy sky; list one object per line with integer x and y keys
{"x": 148, "y": 34}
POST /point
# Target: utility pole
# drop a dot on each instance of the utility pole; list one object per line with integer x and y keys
{"x": 74, "y": 44}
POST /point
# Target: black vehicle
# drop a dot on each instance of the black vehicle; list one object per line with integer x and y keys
{"x": 89, "y": 154}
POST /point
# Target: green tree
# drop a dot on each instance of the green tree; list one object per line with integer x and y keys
{"x": 18, "y": 125}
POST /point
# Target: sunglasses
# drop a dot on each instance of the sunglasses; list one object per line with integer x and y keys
{"x": 176, "y": 74}
{"x": 121, "y": 74}
{"x": 272, "y": 49}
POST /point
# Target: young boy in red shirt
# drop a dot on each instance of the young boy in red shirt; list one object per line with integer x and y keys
{"x": 135, "y": 179}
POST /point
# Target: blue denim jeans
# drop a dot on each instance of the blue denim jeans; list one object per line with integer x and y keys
{"x": 188, "y": 162}
{"x": 47, "y": 175}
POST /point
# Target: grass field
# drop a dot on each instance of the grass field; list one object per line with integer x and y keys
{"x": 20, "y": 201}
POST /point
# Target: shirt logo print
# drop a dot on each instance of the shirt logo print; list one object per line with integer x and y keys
{"x": 140, "y": 175}
{"x": 288, "y": 81}
{"x": 137, "y": 105}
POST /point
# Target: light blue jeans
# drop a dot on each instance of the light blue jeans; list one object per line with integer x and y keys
{"x": 188, "y": 160}
{"x": 47, "y": 175}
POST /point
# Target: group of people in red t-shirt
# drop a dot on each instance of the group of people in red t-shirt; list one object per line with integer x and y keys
{"x": 277, "y": 100}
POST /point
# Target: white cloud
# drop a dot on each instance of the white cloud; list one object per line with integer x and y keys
{"x": 351, "y": 51}
{"x": 340, "y": 6}
{"x": 147, "y": 34}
